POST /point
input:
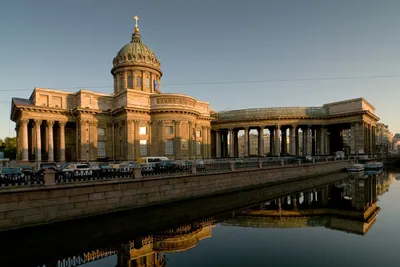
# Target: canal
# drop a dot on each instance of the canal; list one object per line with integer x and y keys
{"x": 333, "y": 220}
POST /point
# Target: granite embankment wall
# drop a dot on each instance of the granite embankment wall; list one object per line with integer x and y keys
{"x": 27, "y": 206}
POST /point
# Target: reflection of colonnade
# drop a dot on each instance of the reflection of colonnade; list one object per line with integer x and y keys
{"x": 347, "y": 206}
{"x": 300, "y": 140}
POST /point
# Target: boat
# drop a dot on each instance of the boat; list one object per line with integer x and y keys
{"x": 374, "y": 165}
{"x": 355, "y": 168}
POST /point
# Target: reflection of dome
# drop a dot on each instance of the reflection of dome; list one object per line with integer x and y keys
{"x": 136, "y": 53}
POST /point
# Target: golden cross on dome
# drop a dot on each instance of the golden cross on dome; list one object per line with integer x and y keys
{"x": 136, "y": 19}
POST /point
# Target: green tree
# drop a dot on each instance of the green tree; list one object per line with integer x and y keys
{"x": 9, "y": 147}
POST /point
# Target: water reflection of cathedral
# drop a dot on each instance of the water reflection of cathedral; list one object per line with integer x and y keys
{"x": 349, "y": 205}
{"x": 149, "y": 251}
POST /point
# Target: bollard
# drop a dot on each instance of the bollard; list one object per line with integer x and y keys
{"x": 326, "y": 159}
{"x": 282, "y": 163}
{"x": 313, "y": 161}
{"x": 194, "y": 169}
{"x": 299, "y": 161}
{"x": 232, "y": 163}
{"x": 260, "y": 165}
{"x": 137, "y": 172}
{"x": 49, "y": 177}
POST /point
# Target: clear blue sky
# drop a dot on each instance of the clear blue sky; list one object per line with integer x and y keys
{"x": 66, "y": 44}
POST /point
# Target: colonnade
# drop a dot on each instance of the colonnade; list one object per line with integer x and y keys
{"x": 36, "y": 137}
{"x": 311, "y": 141}
{"x": 295, "y": 140}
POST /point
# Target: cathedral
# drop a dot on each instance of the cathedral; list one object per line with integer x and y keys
{"x": 136, "y": 120}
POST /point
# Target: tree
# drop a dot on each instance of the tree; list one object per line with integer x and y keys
{"x": 9, "y": 147}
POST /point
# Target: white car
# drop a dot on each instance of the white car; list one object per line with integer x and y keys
{"x": 80, "y": 169}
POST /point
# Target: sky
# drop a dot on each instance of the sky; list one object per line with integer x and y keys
{"x": 233, "y": 54}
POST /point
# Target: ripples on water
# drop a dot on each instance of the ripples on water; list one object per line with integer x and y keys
{"x": 336, "y": 220}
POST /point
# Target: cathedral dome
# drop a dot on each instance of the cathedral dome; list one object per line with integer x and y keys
{"x": 136, "y": 53}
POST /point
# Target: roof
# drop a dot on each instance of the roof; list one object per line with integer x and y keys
{"x": 22, "y": 102}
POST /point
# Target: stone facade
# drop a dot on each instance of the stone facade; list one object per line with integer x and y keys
{"x": 136, "y": 120}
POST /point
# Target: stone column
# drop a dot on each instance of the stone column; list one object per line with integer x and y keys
{"x": 130, "y": 139}
{"x": 46, "y": 141}
{"x": 277, "y": 140}
{"x": 261, "y": 152}
{"x": 177, "y": 140}
{"x": 84, "y": 140}
{"x": 246, "y": 142}
{"x": 93, "y": 140}
{"x": 50, "y": 124}
{"x": 371, "y": 145}
{"x": 38, "y": 150}
{"x": 149, "y": 135}
{"x": 61, "y": 124}
{"x": 218, "y": 144}
{"x": 192, "y": 140}
{"x": 293, "y": 140}
{"x": 309, "y": 140}
{"x": 24, "y": 139}
{"x": 231, "y": 143}
{"x": 304, "y": 141}
{"x": 136, "y": 142}
{"x": 203, "y": 142}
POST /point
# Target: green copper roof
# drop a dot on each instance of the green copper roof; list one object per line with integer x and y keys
{"x": 136, "y": 53}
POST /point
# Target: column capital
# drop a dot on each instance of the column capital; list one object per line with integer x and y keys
{"x": 49, "y": 123}
{"x": 129, "y": 121}
{"x": 62, "y": 123}
{"x": 176, "y": 122}
{"x": 23, "y": 121}
{"x": 37, "y": 122}
{"x": 277, "y": 126}
{"x": 229, "y": 129}
{"x": 262, "y": 127}
{"x": 136, "y": 121}
{"x": 93, "y": 123}
{"x": 82, "y": 121}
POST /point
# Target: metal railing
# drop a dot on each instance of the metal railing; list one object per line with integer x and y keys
{"x": 189, "y": 168}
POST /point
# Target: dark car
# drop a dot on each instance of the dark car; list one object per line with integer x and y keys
{"x": 11, "y": 174}
{"x": 26, "y": 169}
{"x": 48, "y": 166}
{"x": 165, "y": 166}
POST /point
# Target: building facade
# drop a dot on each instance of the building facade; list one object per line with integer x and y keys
{"x": 135, "y": 120}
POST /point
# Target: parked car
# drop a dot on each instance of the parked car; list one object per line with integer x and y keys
{"x": 80, "y": 169}
{"x": 12, "y": 174}
{"x": 165, "y": 166}
{"x": 26, "y": 169}
{"x": 48, "y": 166}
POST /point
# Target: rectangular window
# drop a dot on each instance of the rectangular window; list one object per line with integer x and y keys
{"x": 143, "y": 130}
{"x": 121, "y": 83}
{"x": 198, "y": 133}
{"x": 101, "y": 131}
{"x": 155, "y": 85}
{"x": 146, "y": 82}
{"x": 169, "y": 147}
{"x": 198, "y": 148}
{"x": 130, "y": 81}
{"x": 101, "y": 149}
{"x": 169, "y": 130}
{"x": 143, "y": 148}
{"x": 138, "y": 81}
